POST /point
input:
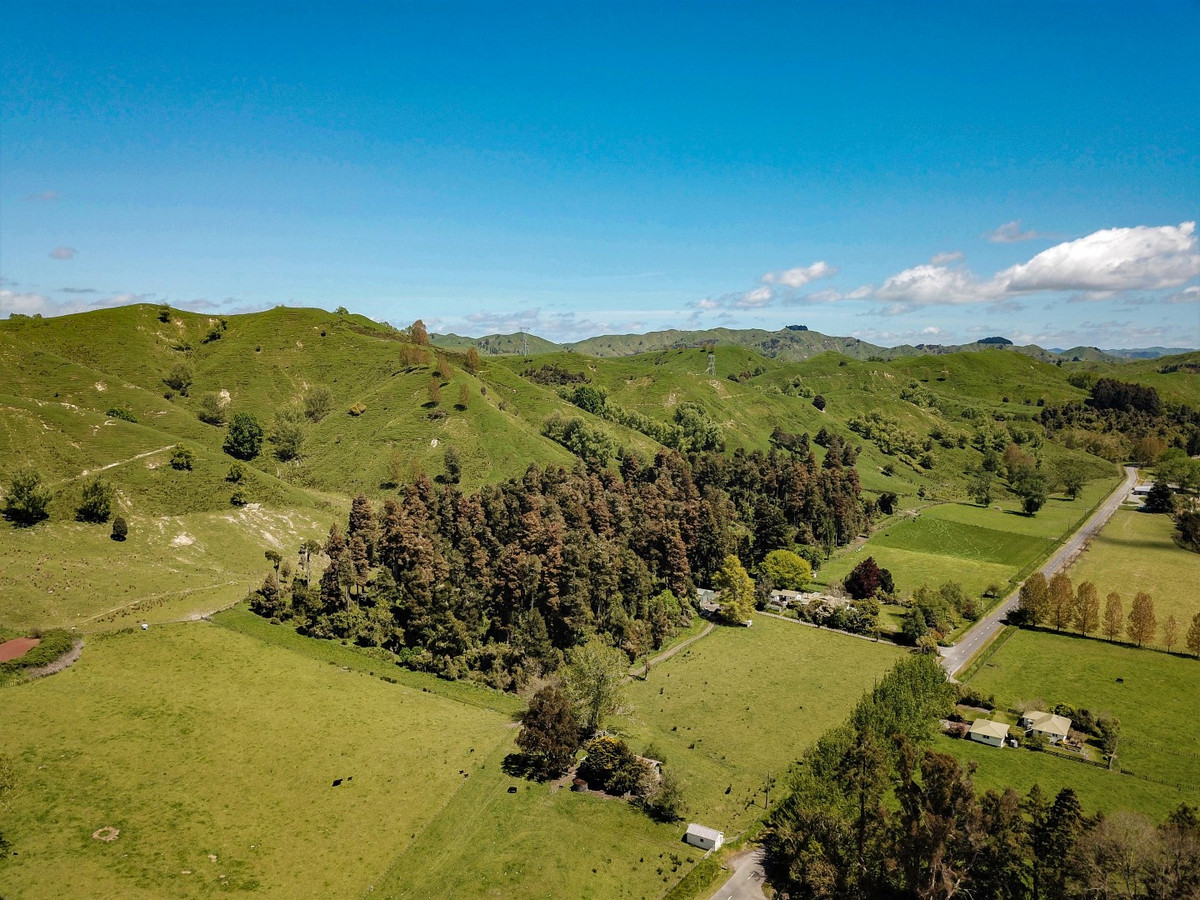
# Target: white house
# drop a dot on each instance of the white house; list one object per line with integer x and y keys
{"x": 782, "y": 599}
{"x": 985, "y": 731}
{"x": 707, "y": 601}
{"x": 704, "y": 838}
{"x": 1055, "y": 728}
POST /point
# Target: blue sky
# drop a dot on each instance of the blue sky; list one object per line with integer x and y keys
{"x": 902, "y": 172}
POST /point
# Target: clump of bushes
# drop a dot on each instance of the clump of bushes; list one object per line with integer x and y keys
{"x": 357, "y": 409}
{"x": 120, "y": 412}
{"x": 54, "y": 643}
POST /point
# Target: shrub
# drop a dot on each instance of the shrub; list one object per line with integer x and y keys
{"x": 96, "y": 501}
{"x": 318, "y": 402}
{"x": 236, "y": 474}
{"x": 182, "y": 458}
{"x": 212, "y": 409}
{"x": 120, "y": 529}
{"x": 119, "y": 412}
{"x": 612, "y": 767}
{"x": 357, "y": 409}
{"x": 179, "y": 378}
{"x": 819, "y": 401}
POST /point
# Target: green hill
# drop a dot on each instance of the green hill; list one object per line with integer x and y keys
{"x": 88, "y": 394}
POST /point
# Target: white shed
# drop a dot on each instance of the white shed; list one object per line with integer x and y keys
{"x": 985, "y": 731}
{"x": 704, "y": 838}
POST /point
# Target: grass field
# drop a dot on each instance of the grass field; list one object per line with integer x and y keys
{"x": 1099, "y": 790}
{"x": 1155, "y": 701}
{"x": 720, "y": 714}
{"x": 195, "y": 740}
{"x": 1135, "y": 552}
{"x": 65, "y": 573}
{"x": 973, "y": 545}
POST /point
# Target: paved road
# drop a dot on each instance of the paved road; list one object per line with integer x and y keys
{"x": 954, "y": 658}
{"x": 747, "y": 879}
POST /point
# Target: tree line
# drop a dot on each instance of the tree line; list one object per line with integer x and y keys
{"x": 874, "y": 813}
{"x": 501, "y": 582}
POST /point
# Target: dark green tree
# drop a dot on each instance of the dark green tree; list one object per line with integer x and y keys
{"x": 549, "y": 734}
{"x": 95, "y": 502}
{"x": 27, "y": 499}
{"x": 245, "y": 437}
{"x": 120, "y": 528}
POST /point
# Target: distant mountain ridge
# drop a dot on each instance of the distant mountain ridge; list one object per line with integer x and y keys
{"x": 793, "y": 343}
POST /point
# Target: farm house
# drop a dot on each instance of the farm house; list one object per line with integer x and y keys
{"x": 985, "y": 731}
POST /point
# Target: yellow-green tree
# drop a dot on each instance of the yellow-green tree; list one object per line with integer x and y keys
{"x": 1114, "y": 616}
{"x": 1087, "y": 608}
{"x": 1142, "y": 622}
{"x": 787, "y": 570}
{"x": 736, "y": 589}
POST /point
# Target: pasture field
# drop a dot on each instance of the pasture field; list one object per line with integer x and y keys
{"x": 1153, "y": 695}
{"x": 214, "y": 755}
{"x": 1136, "y": 552}
{"x": 66, "y": 573}
{"x": 720, "y": 714}
{"x": 1099, "y": 790}
{"x": 973, "y": 545}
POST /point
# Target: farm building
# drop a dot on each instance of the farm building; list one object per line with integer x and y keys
{"x": 1055, "y": 728}
{"x": 706, "y": 601}
{"x": 985, "y": 731}
{"x": 704, "y": 838}
{"x": 783, "y": 599}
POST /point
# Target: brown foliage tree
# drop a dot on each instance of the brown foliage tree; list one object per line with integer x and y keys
{"x": 1087, "y": 608}
{"x": 1170, "y": 633}
{"x": 1193, "y": 635}
{"x": 1114, "y": 616}
{"x": 473, "y": 363}
{"x": 418, "y": 334}
{"x": 1035, "y": 598}
{"x": 1142, "y": 622}
{"x": 1062, "y": 601}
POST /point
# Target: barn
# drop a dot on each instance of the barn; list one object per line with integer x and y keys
{"x": 704, "y": 838}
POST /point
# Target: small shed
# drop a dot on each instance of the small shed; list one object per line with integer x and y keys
{"x": 703, "y": 837}
{"x": 1055, "y": 728}
{"x": 985, "y": 731}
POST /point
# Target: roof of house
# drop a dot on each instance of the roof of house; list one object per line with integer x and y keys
{"x": 787, "y": 595}
{"x": 705, "y": 832}
{"x": 989, "y": 728}
{"x": 1048, "y": 722}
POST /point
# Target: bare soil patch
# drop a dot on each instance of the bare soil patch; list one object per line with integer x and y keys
{"x": 17, "y": 647}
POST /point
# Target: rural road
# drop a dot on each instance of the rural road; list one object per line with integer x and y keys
{"x": 747, "y": 879}
{"x": 954, "y": 658}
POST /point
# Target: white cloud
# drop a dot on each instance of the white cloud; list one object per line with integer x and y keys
{"x": 798, "y": 277}
{"x": 942, "y": 259}
{"x": 1011, "y": 233}
{"x": 1116, "y": 259}
{"x": 930, "y": 285}
{"x": 61, "y": 252}
{"x": 23, "y": 304}
{"x": 1187, "y": 295}
{"x": 706, "y": 304}
{"x": 755, "y": 299}
{"x": 42, "y": 197}
{"x": 552, "y": 326}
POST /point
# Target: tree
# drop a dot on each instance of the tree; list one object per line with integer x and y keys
{"x": 736, "y": 590}
{"x": 1031, "y": 488}
{"x": 179, "y": 378}
{"x": 453, "y": 466}
{"x": 611, "y": 766}
{"x": 473, "y": 363}
{"x": 665, "y": 803}
{"x": 1087, "y": 608}
{"x": 1142, "y": 623}
{"x": 1073, "y": 477}
{"x": 867, "y": 578}
{"x": 1062, "y": 600}
{"x": 819, "y": 402}
{"x": 1114, "y": 616}
{"x": 182, "y": 459}
{"x": 1035, "y": 598}
{"x": 95, "y": 503}
{"x": 417, "y": 333}
{"x": 1193, "y": 636}
{"x": 593, "y": 680}
{"x": 980, "y": 488}
{"x": 1160, "y": 498}
{"x": 787, "y": 570}
{"x": 443, "y": 367}
{"x": 1170, "y": 632}
{"x": 245, "y": 437}
{"x": 395, "y": 468}
{"x": 212, "y": 409}
{"x": 120, "y": 529}
{"x": 887, "y": 502}
{"x": 435, "y": 391}
{"x": 549, "y": 733}
{"x": 288, "y": 434}
{"x": 27, "y": 499}
{"x": 464, "y": 396}
{"x": 318, "y": 402}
